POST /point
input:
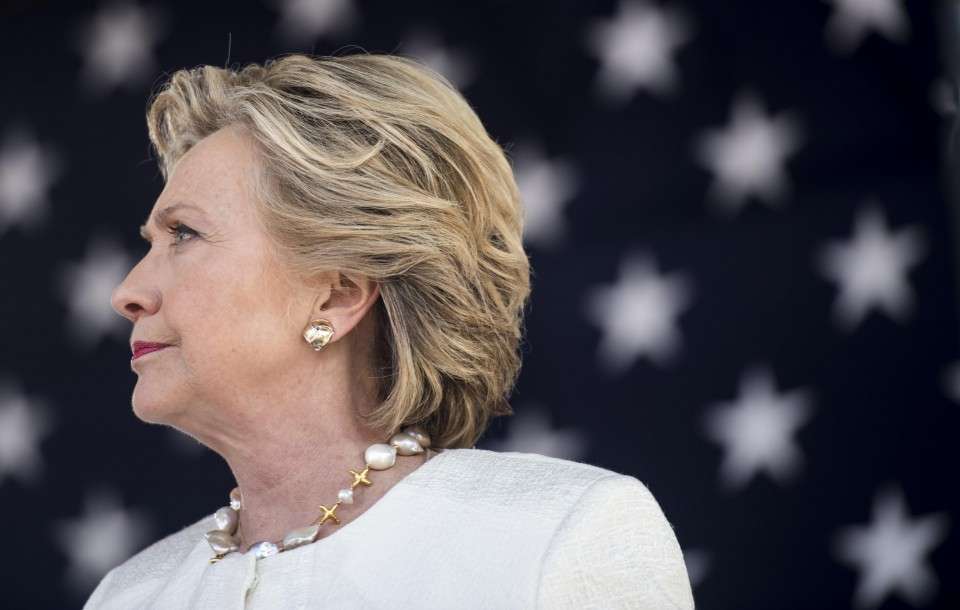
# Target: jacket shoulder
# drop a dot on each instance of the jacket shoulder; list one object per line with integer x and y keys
{"x": 615, "y": 549}
{"x": 518, "y": 481}
{"x": 156, "y": 560}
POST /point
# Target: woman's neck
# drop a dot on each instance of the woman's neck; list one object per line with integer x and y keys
{"x": 270, "y": 511}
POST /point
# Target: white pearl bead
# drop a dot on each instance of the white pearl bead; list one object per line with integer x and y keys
{"x": 405, "y": 444}
{"x": 345, "y": 496}
{"x": 380, "y": 456}
{"x": 221, "y": 542}
{"x": 264, "y": 548}
{"x": 299, "y": 536}
{"x": 235, "y": 498}
{"x": 418, "y": 433}
{"x": 226, "y": 519}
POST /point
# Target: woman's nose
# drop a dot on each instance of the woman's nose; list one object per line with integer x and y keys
{"x": 131, "y": 301}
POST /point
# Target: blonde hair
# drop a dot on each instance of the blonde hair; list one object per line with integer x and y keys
{"x": 376, "y": 164}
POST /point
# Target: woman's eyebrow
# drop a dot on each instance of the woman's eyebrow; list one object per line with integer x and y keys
{"x": 162, "y": 214}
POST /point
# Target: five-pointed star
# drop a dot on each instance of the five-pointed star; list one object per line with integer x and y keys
{"x": 890, "y": 552}
{"x": 117, "y": 45}
{"x": 87, "y": 288}
{"x": 950, "y": 380}
{"x": 27, "y": 170}
{"x": 852, "y": 19}
{"x": 22, "y": 425}
{"x": 104, "y": 536}
{"x": 872, "y": 268}
{"x": 302, "y": 21}
{"x": 748, "y": 157}
{"x": 545, "y": 187}
{"x": 756, "y": 430}
{"x": 636, "y": 49}
{"x": 638, "y": 314}
{"x": 530, "y": 431}
{"x": 698, "y": 563}
{"x": 425, "y": 46}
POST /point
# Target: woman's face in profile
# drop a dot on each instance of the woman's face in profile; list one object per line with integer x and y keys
{"x": 211, "y": 289}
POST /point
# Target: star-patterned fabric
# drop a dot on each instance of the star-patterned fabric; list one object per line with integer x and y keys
{"x": 742, "y": 221}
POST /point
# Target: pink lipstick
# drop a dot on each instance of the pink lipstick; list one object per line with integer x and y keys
{"x": 144, "y": 347}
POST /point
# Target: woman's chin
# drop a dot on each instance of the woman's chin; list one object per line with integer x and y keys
{"x": 153, "y": 409}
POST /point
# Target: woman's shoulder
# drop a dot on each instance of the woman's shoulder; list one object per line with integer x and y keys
{"x": 156, "y": 560}
{"x": 603, "y": 537}
{"x": 519, "y": 479}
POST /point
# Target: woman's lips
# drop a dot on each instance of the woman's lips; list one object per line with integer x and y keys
{"x": 147, "y": 349}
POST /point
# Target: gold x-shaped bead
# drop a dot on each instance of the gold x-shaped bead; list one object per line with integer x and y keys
{"x": 328, "y": 514}
{"x": 360, "y": 477}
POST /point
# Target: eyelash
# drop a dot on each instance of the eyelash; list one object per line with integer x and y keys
{"x": 177, "y": 228}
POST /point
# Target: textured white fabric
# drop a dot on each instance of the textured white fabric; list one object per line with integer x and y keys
{"x": 470, "y": 528}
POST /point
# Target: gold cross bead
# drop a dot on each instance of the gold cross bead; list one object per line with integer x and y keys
{"x": 360, "y": 477}
{"x": 328, "y": 513}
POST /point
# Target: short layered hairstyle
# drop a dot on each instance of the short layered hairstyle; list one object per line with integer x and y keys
{"x": 375, "y": 164}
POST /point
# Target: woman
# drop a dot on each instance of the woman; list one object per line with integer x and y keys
{"x": 332, "y": 301}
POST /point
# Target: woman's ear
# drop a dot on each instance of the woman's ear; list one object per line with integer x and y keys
{"x": 345, "y": 299}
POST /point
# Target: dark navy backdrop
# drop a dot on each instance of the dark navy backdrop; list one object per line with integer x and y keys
{"x": 745, "y": 291}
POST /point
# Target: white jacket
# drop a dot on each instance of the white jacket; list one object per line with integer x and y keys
{"x": 470, "y": 528}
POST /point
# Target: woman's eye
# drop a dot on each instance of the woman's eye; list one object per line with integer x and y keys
{"x": 177, "y": 229}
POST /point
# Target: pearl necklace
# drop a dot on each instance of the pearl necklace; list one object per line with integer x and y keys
{"x": 379, "y": 456}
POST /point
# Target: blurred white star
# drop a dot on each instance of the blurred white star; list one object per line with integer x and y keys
{"x": 27, "y": 171}
{"x": 425, "y": 46}
{"x": 756, "y": 430}
{"x": 183, "y": 443}
{"x": 117, "y": 45}
{"x": 636, "y": 48}
{"x": 748, "y": 156}
{"x": 303, "y": 21}
{"x": 638, "y": 314}
{"x": 890, "y": 553}
{"x": 698, "y": 565}
{"x": 87, "y": 288}
{"x": 546, "y": 186}
{"x": 852, "y": 20}
{"x": 530, "y": 430}
{"x": 872, "y": 268}
{"x": 950, "y": 381}
{"x": 23, "y": 423}
{"x": 106, "y": 535}
{"x": 943, "y": 96}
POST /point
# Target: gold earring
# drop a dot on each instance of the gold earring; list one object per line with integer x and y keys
{"x": 318, "y": 333}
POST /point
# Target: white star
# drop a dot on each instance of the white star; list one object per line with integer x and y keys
{"x": 303, "y": 21}
{"x": 23, "y": 423}
{"x": 638, "y": 314}
{"x": 545, "y": 187}
{"x": 117, "y": 45}
{"x": 756, "y": 430}
{"x": 748, "y": 157}
{"x": 636, "y": 49}
{"x": 426, "y": 47}
{"x": 872, "y": 268}
{"x": 943, "y": 96}
{"x": 950, "y": 381}
{"x": 87, "y": 287}
{"x": 529, "y": 430}
{"x": 890, "y": 552}
{"x": 851, "y": 20}
{"x": 183, "y": 443}
{"x": 105, "y": 536}
{"x": 27, "y": 170}
{"x": 698, "y": 565}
